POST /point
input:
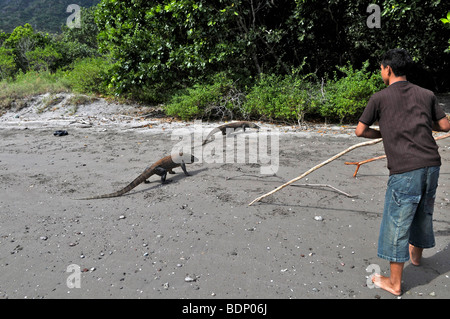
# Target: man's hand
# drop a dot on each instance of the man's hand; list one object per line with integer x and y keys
{"x": 363, "y": 130}
{"x": 442, "y": 125}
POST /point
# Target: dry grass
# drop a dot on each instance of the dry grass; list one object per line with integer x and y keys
{"x": 13, "y": 93}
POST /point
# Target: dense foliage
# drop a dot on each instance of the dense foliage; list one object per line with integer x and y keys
{"x": 283, "y": 60}
{"x": 175, "y": 41}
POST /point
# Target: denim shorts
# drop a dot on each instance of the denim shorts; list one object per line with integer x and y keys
{"x": 408, "y": 213}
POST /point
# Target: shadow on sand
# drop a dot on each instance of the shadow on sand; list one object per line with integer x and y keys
{"x": 431, "y": 268}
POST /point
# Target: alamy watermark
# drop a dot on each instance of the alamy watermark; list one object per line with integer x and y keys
{"x": 375, "y": 270}
{"x": 74, "y": 20}
{"x": 253, "y": 147}
{"x": 74, "y": 279}
{"x": 374, "y": 20}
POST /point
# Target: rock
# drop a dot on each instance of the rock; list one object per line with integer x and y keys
{"x": 189, "y": 279}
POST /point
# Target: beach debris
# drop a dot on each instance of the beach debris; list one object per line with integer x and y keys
{"x": 190, "y": 279}
{"x": 358, "y": 164}
{"x": 372, "y": 142}
{"x": 324, "y": 185}
{"x": 60, "y": 133}
{"x": 17, "y": 249}
{"x": 318, "y": 218}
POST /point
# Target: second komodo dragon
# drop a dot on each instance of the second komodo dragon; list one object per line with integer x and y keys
{"x": 233, "y": 125}
{"x": 160, "y": 168}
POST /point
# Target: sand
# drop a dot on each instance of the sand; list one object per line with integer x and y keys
{"x": 194, "y": 237}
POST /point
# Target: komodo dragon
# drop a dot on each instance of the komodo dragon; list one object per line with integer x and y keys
{"x": 160, "y": 168}
{"x": 233, "y": 125}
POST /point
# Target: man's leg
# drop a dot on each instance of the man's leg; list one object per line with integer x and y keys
{"x": 422, "y": 234}
{"x": 392, "y": 283}
{"x": 415, "y": 253}
{"x": 403, "y": 195}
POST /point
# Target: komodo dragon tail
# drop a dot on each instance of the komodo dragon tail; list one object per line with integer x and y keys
{"x": 138, "y": 180}
{"x": 159, "y": 168}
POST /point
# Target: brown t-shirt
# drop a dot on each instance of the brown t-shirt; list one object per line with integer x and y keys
{"x": 405, "y": 113}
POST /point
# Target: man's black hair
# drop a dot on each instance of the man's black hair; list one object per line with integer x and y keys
{"x": 399, "y": 60}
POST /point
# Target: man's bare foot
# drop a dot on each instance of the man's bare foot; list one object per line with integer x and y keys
{"x": 415, "y": 254}
{"x": 386, "y": 284}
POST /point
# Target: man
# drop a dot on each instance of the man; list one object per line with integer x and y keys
{"x": 407, "y": 114}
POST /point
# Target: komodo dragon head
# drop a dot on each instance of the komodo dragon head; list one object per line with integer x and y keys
{"x": 186, "y": 158}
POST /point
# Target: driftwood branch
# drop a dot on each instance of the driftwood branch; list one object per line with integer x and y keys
{"x": 299, "y": 185}
{"x": 358, "y": 164}
{"x": 325, "y": 185}
{"x": 372, "y": 142}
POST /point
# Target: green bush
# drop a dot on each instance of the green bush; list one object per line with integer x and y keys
{"x": 347, "y": 97}
{"x": 88, "y": 75}
{"x": 217, "y": 100}
{"x": 283, "y": 98}
{"x": 289, "y": 98}
{"x": 43, "y": 59}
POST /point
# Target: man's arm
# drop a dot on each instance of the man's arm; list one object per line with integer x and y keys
{"x": 363, "y": 130}
{"x": 442, "y": 125}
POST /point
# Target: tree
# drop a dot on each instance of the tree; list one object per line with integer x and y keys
{"x": 178, "y": 42}
{"x": 168, "y": 40}
{"x": 79, "y": 43}
{"x": 22, "y": 41}
{"x": 7, "y": 65}
{"x": 43, "y": 59}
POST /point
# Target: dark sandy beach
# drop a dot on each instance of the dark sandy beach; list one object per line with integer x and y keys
{"x": 195, "y": 236}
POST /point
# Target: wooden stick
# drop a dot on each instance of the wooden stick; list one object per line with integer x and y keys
{"x": 298, "y": 185}
{"x": 372, "y": 142}
{"x": 324, "y": 185}
{"x": 358, "y": 164}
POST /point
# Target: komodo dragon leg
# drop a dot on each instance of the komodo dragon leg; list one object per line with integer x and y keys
{"x": 183, "y": 167}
